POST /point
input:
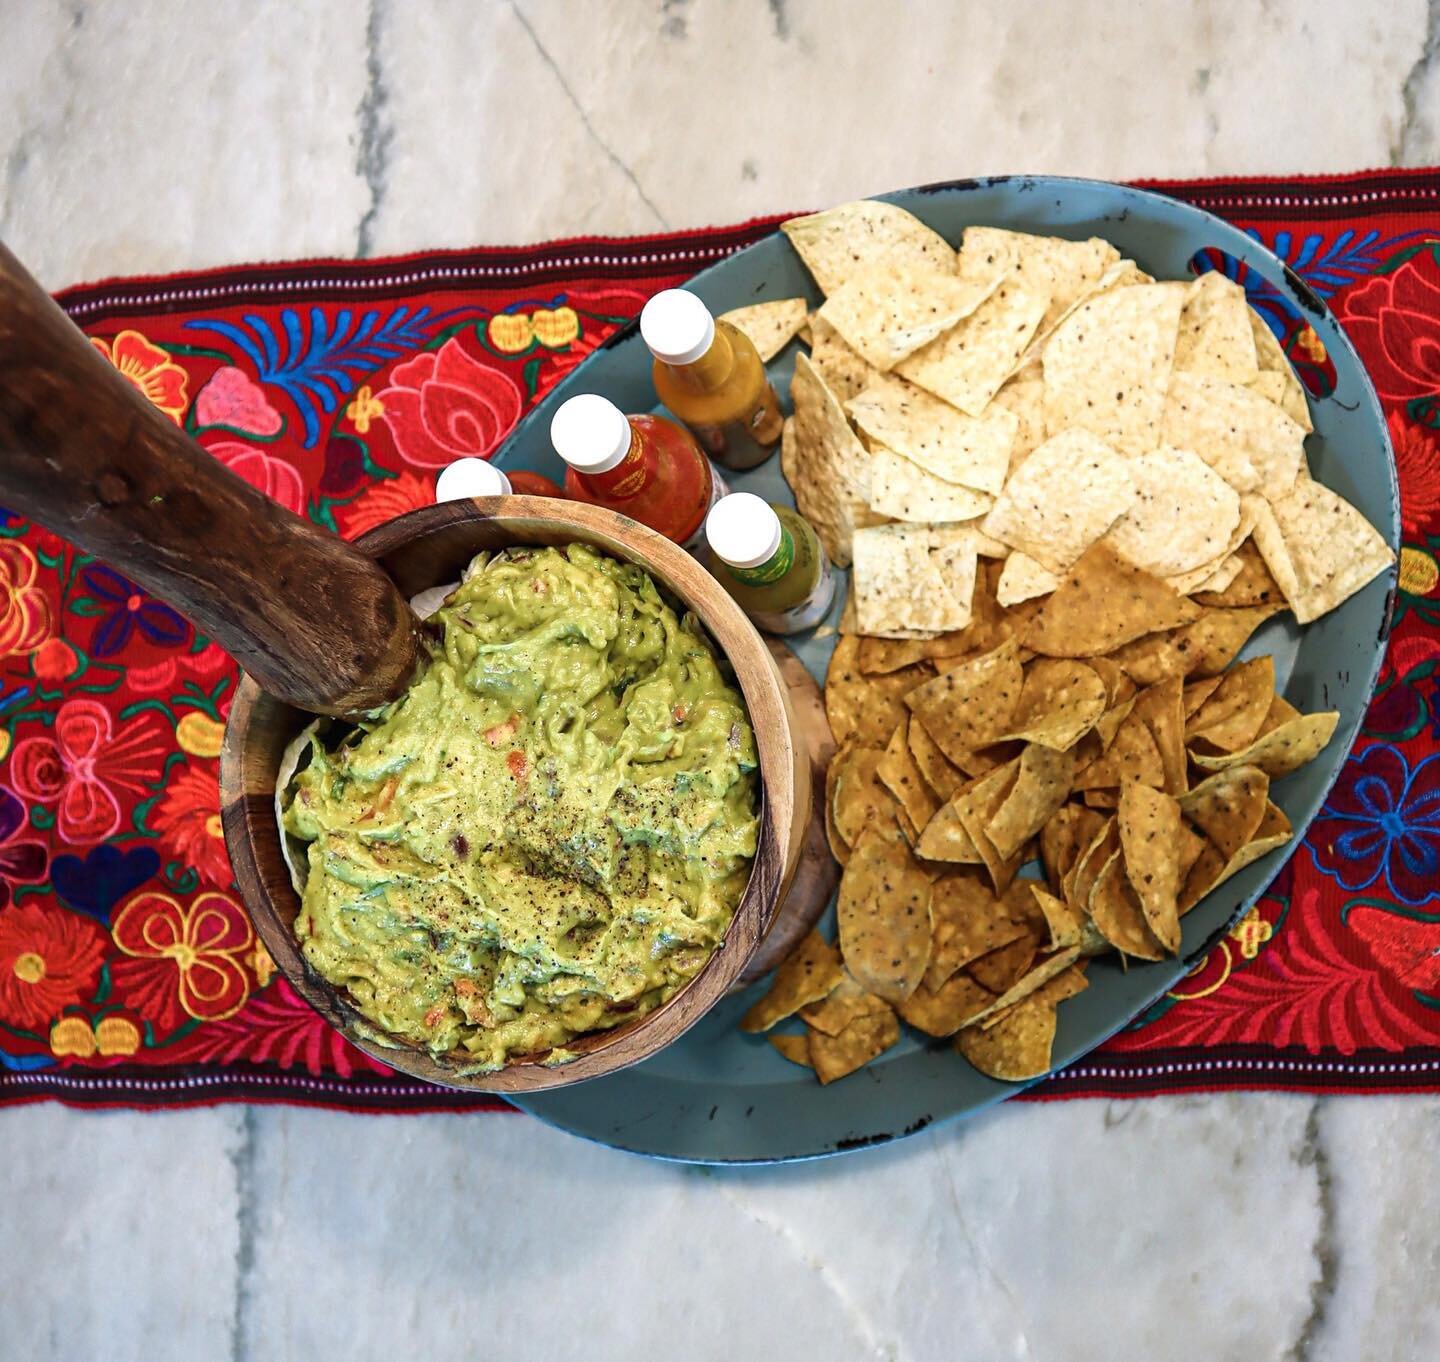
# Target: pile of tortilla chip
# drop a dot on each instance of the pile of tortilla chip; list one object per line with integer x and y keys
{"x": 1070, "y": 494}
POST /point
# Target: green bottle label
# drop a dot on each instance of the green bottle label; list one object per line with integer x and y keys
{"x": 773, "y": 568}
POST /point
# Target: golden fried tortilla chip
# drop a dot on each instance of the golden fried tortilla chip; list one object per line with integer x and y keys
{"x": 1210, "y": 869}
{"x": 1103, "y": 602}
{"x": 1133, "y": 755}
{"x": 1228, "y": 806}
{"x": 1063, "y": 498}
{"x": 971, "y": 705}
{"x": 1069, "y": 832}
{"x": 969, "y": 921}
{"x": 1281, "y": 750}
{"x": 944, "y": 778}
{"x": 794, "y": 1048}
{"x": 866, "y": 708}
{"x": 1196, "y": 692}
{"x": 1118, "y": 915}
{"x": 846, "y": 1002}
{"x": 1150, "y": 849}
{"x": 884, "y": 916}
{"x": 970, "y": 451}
{"x": 1035, "y": 978}
{"x": 1108, "y": 363}
{"x": 1251, "y": 585}
{"x": 1210, "y": 644}
{"x": 1319, "y": 548}
{"x": 1215, "y": 336}
{"x": 1080, "y": 883}
{"x": 858, "y": 797}
{"x": 825, "y": 464}
{"x": 841, "y": 241}
{"x": 999, "y": 970}
{"x": 770, "y": 326}
{"x": 1062, "y": 920}
{"x": 1161, "y": 706}
{"x": 900, "y": 774}
{"x": 1060, "y": 701}
{"x": 1281, "y": 711}
{"x": 843, "y": 371}
{"x": 969, "y": 363}
{"x": 809, "y": 974}
{"x": 882, "y": 656}
{"x": 1040, "y": 788}
{"x": 885, "y": 312}
{"x": 976, "y": 808}
{"x": 943, "y": 1011}
{"x": 863, "y": 1040}
{"x": 1017, "y": 1048}
{"x": 1182, "y": 515}
{"x": 1231, "y": 718}
{"x": 1151, "y": 658}
{"x": 839, "y": 846}
{"x": 944, "y": 838}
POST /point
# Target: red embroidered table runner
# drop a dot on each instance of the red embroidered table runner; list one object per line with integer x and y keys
{"x": 129, "y": 973}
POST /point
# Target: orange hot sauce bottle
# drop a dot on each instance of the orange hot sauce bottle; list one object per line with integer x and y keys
{"x": 710, "y": 375}
{"x": 642, "y": 466}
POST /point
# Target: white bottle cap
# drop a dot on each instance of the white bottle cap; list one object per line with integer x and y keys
{"x": 743, "y": 530}
{"x": 470, "y": 478}
{"x": 590, "y": 433}
{"x": 677, "y": 326}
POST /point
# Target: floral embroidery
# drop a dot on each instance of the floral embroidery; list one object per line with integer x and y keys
{"x": 364, "y": 408}
{"x": 1382, "y": 821}
{"x": 117, "y": 1035}
{"x": 24, "y": 611}
{"x": 443, "y": 405}
{"x": 81, "y": 763}
{"x": 1417, "y": 460}
{"x": 183, "y": 955}
{"x": 384, "y": 501}
{"x": 55, "y": 660}
{"x": 278, "y": 478}
{"x": 1395, "y": 319}
{"x": 48, "y": 959}
{"x": 149, "y": 368}
{"x": 199, "y": 735}
{"x": 232, "y": 398}
{"x": 22, "y": 859}
{"x": 188, "y": 821}
{"x": 126, "y": 609}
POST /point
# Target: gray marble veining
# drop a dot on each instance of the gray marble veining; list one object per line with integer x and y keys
{"x": 152, "y": 135}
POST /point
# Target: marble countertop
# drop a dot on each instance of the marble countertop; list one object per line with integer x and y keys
{"x": 151, "y": 135}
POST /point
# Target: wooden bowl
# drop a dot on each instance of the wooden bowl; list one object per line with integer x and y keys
{"x": 432, "y": 546}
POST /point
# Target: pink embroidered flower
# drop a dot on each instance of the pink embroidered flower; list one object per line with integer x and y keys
{"x": 278, "y": 478}
{"x": 232, "y": 398}
{"x": 443, "y": 405}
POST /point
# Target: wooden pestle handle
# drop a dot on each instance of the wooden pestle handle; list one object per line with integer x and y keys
{"x": 82, "y": 451}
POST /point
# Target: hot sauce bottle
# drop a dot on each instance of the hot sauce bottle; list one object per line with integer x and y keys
{"x": 709, "y": 374}
{"x": 770, "y": 560}
{"x": 642, "y": 466}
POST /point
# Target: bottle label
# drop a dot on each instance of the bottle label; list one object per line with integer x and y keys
{"x": 773, "y": 568}
{"x": 805, "y": 614}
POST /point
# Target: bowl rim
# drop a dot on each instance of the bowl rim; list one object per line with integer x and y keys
{"x": 247, "y": 811}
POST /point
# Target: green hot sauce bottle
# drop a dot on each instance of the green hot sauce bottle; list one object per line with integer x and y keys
{"x": 770, "y": 560}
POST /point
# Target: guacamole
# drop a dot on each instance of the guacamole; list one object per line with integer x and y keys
{"x": 548, "y": 833}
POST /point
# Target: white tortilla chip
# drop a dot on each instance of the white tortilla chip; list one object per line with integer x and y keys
{"x": 1183, "y": 514}
{"x": 913, "y": 577}
{"x": 885, "y": 312}
{"x": 770, "y": 326}
{"x": 290, "y": 758}
{"x": 1215, "y": 337}
{"x": 836, "y": 243}
{"x": 844, "y": 372}
{"x": 1068, "y": 271}
{"x": 1248, "y": 441}
{"x": 1218, "y": 577}
{"x": 1025, "y": 397}
{"x": 826, "y": 466}
{"x": 1108, "y": 363}
{"x": 1063, "y": 498}
{"x": 905, "y": 491}
{"x": 1272, "y": 360}
{"x": 970, "y": 451}
{"x": 1022, "y": 578}
{"x": 1319, "y": 548}
{"x": 967, "y": 365}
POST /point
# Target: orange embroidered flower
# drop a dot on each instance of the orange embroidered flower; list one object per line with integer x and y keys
{"x": 186, "y": 955}
{"x": 188, "y": 821}
{"x": 150, "y": 369}
{"x": 383, "y": 502}
{"x": 24, "y": 611}
{"x": 55, "y": 660}
{"x": 49, "y": 959}
{"x": 364, "y": 408}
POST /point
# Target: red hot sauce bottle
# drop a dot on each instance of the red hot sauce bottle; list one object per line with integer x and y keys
{"x": 642, "y": 466}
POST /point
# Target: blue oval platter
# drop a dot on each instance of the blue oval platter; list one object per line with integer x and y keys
{"x": 717, "y": 1096}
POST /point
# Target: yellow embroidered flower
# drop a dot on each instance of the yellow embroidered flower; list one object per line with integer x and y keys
{"x": 72, "y": 1036}
{"x": 117, "y": 1036}
{"x": 364, "y": 408}
{"x": 510, "y": 332}
{"x": 556, "y": 328}
{"x": 24, "y": 609}
{"x": 261, "y": 964}
{"x": 4, "y": 743}
{"x": 1250, "y": 933}
{"x": 199, "y": 734}
{"x": 1311, "y": 345}
{"x": 1418, "y": 572}
{"x": 150, "y": 369}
